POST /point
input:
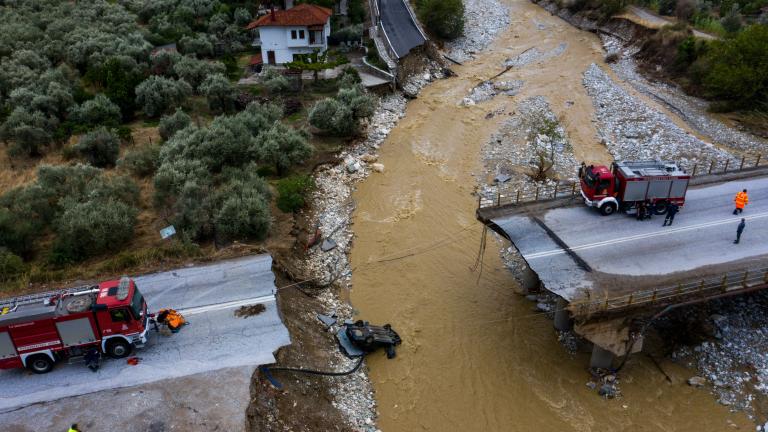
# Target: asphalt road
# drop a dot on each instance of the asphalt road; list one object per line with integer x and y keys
{"x": 399, "y": 26}
{"x": 214, "y": 339}
{"x": 702, "y": 235}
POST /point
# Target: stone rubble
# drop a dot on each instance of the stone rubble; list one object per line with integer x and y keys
{"x": 691, "y": 109}
{"x": 734, "y": 361}
{"x": 487, "y": 90}
{"x": 483, "y": 20}
{"x": 633, "y": 130}
{"x": 332, "y": 210}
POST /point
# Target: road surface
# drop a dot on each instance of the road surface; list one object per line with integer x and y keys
{"x": 214, "y": 339}
{"x": 400, "y": 29}
{"x": 569, "y": 243}
{"x": 650, "y": 19}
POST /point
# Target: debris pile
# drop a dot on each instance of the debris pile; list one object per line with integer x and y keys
{"x": 483, "y": 20}
{"x": 734, "y": 362}
{"x": 633, "y": 130}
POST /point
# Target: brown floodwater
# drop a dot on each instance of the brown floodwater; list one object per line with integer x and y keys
{"x": 475, "y": 356}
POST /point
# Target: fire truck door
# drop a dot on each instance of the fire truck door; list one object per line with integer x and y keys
{"x": 76, "y": 332}
{"x": 7, "y": 350}
{"x": 114, "y": 321}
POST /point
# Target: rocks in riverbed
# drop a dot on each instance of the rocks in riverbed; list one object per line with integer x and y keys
{"x": 483, "y": 20}
{"x": 696, "y": 381}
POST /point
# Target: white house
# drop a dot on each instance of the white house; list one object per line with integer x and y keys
{"x": 284, "y": 33}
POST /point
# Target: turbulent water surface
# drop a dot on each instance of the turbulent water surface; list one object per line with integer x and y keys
{"x": 475, "y": 356}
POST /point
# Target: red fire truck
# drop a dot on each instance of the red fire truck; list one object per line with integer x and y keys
{"x": 38, "y": 330}
{"x": 627, "y": 184}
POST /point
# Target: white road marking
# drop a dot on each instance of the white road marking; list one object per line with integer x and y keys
{"x": 646, "y": 235}
{"x": 227, "y": 305}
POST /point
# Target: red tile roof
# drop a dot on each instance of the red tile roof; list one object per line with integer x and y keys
{"x": 301, "y": 15}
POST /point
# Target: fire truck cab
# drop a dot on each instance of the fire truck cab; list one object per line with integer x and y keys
{"x": 38, "y": 330}
{"x": 627, "y": 184}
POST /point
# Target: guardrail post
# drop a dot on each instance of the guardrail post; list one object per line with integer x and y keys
{"x": 479, "y": 198}
{"x": 701, "y": 286}
{"x": 741, "y": 165}
{"x": 696, "y": 165}
{"x": 631, "y": 296}
{"x": 653, "y": 299}
{"x": 727, "y": 161}
{"x": 573, "y": 189}
{"x": 498, "y": 198}
{"x": 517, "y": 200}
{"x": 605, "y": 305}
{"x": 744, "y": 280}
{"x": 757, "y": 162}
{"x": 711, "y": 166}
{"x": 725, "y": 282}
{"x": 537, "y": 194}
{"x": 554, "y": 194}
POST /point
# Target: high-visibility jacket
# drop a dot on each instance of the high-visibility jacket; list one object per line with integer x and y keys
{"x": 171, "y": 317}
{"x": 741, "y": 199}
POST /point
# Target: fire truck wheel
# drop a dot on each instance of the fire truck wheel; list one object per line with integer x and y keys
{"x": 660, "y": 208}
{"x": 40, "y": 363}
{"x": 118, "y": 348}
{"x": 607, "y": 209}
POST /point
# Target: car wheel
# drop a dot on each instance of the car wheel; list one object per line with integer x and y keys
{"x": 607, "y": 209}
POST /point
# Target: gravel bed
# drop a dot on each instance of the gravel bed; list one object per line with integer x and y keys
{"x": 733, "y": 364}
{"x": 692, "y": 110}
{"x": 483, "y": 20}
{"x": 333, "y": 207}
{"x": 633, "y": 130}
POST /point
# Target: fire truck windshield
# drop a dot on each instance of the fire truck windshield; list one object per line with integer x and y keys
{"x": 590, "y": 179}
{"x": 137, "y": 304}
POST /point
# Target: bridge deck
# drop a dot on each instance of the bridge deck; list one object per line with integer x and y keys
{"x": 579, "y": 254}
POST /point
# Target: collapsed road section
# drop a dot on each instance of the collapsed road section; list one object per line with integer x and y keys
{"x": 610, "y": 273}
{"x": 215, "y": 338}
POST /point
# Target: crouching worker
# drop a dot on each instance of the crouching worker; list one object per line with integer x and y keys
{"x": 93, "y": 359}
{"x": 171, "y": 319}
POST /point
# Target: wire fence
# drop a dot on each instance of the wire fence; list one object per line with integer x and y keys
{"x": 516, "y": 195}
{"x": 735, "y": 281}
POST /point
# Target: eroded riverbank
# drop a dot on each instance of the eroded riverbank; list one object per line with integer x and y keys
{"x": 475, "y": 355}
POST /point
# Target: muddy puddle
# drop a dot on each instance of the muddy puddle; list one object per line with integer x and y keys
{"x": 476, "y": 356}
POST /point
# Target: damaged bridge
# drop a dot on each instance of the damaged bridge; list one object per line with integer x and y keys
{"x": 609, "y": 271}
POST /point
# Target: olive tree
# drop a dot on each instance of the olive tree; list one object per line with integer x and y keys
{"x": 220, "y": 93}
{"x": 283, "y": 146}
{"x": 170, "y": 124}
{"x": 157, "y": 94}
{"x": 195, "y": 71}
{"x": 97, "y": 111}
{"x": 100, "y": 147}
{"x": 200, "y": 45}
{"x": 27, "y": 131}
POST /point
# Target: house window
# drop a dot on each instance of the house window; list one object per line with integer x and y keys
{"x": 301, "y": 34}
{"x": 293, "y": 34}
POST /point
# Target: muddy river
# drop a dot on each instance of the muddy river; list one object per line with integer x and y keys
{"x": 476, "y": 356}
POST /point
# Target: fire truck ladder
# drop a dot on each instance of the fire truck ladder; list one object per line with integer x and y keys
{"x": 13, "y": 302}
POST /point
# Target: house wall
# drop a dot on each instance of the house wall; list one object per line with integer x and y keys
{"x": 278, "y": 39}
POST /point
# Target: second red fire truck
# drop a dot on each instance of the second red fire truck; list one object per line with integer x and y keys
{"x": 38, "y": 330}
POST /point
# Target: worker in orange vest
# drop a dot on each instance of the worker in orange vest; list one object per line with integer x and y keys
{"x": 741, "y": 200}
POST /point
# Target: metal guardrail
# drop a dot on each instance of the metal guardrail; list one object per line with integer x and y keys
{"x": 512, "y": 195}
{"x": 736, "y": 281}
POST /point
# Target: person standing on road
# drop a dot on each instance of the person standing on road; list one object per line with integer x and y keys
{"x": 740, "y": 230}
{"x": 672, "y": 210}
{"x": 741, "y": 200}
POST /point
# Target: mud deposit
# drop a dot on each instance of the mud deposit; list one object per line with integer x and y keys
{"x": 476, "y": 356}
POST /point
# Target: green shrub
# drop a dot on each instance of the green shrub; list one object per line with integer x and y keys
{"x": 11, "y": 265}
{"x": 100, "y": 147}
{"x": 342, "y": 114}
{"x": 157, "y": 94}
{"x": 142, "y": 162}
{"x": 99, "y": 111}
{"x": 444, "y": 18}
{"x": 275, "y": 82}
{"x": 737, "y": 68}
{"x": 219, "y": 92}
{"x": 90, "y": 228}
{"x": 291, "y": 193}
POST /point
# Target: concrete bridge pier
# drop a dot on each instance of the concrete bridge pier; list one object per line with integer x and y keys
{"x": 563, "y": 320}
{"x": 529, "y": 280}
{"x": 601, "y": 358}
